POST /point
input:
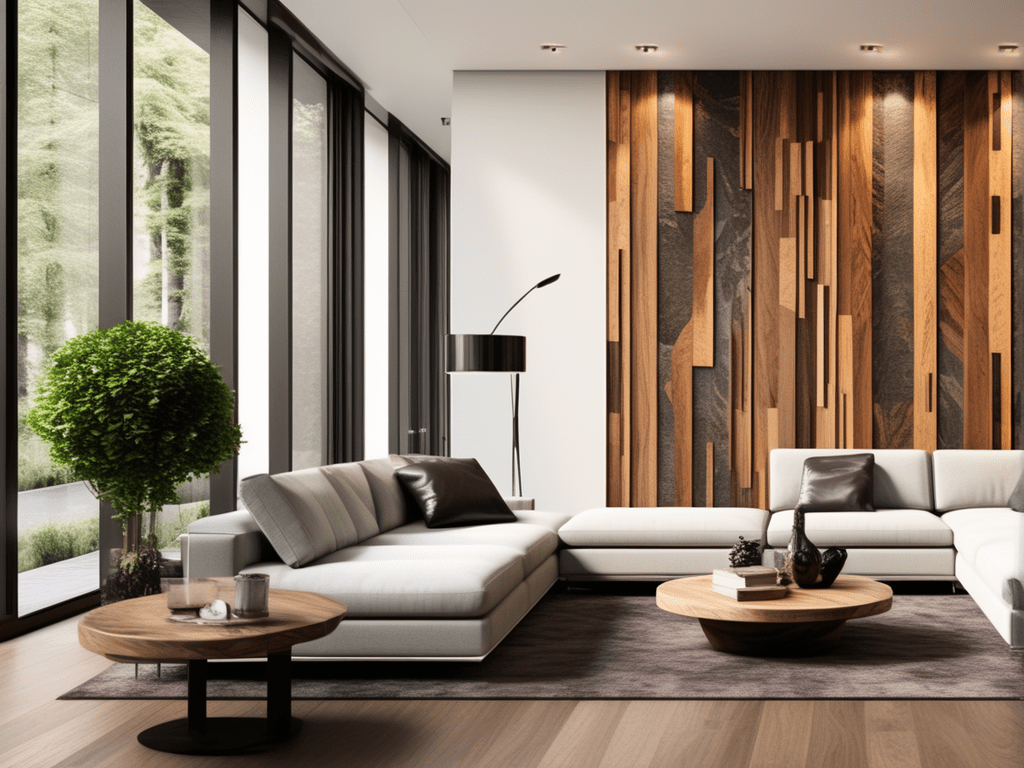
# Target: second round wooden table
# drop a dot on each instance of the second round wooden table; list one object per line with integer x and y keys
{"x": 804, "y": 621}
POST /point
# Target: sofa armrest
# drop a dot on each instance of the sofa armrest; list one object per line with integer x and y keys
{"x": 222, "y": 545}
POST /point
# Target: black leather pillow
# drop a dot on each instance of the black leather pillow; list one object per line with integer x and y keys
{"x": 842, "y": 483}
{"x": 454, "y": 492}
{"x": 1016, "y": 502}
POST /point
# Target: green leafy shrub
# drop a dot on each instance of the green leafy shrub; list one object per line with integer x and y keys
{"x": 53, "y": 542}
{"x": 135, "y": 410}
{"x": 167, "y": 532}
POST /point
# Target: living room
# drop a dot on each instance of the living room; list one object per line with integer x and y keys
{"x": 445, "y": 158}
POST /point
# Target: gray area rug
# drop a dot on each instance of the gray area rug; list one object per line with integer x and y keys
{"x": 574, "y": 646}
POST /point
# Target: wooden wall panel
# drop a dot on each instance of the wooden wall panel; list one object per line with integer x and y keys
{"x": 683, "y": 104}
{"x": 1000, "y": 254}
{"x": 1017, "y": 251}
{"x": 746, "y": 131}
{"x": 926, "y": 373}
{"x": 977, "y": 211}
{"x": 644, "y": 265}
{"x": 704, "y": 277}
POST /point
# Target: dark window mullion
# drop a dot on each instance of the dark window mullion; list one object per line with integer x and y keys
{"x": 224, "y": 223}
{"x": 9, "y": 320}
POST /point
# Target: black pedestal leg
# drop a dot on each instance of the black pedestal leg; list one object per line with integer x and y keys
{"x": 279, "y": 695}
{"x": 197, "y": 696}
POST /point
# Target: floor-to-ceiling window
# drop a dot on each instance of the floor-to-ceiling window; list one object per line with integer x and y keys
{"x": 171, "y": 192}
{"x": 57, "y": 278}
{"x": 310, "y": 176}
{"x": 375, "y": 314}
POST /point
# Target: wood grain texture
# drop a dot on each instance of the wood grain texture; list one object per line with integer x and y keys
{"x": 644, "y": 293}
{"x": 709, "y": 497}
{"x": 746, "y": 130}
{"x": 683, "y": 141}
{"x": 786, "y": 399}
{"x": 926, "y": 285}
{"x": 765, "y": 264}
{"x": 850, "y": 597}
{"x": 703, "y": 317}
{"x": 822, "y": 354}
{"x": 740, "y": 403}
{"x": 680, "y": 393}
{"x": 619, "y": 291}
{"x": 847, "y": 382}
{"x": 1000, "y": 251}
{"x": 977, "y": 210}
{"x": 139, "y": 630}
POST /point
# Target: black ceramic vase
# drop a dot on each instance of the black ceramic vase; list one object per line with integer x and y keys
{"x": 803, "y": 560}
{"x": 832, "y": 562}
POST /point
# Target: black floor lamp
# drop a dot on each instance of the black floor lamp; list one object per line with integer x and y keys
{"x": 480, "y": 353}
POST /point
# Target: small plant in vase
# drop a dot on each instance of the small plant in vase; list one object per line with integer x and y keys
{"x": 745, "y": 553}
{"x": 135, "y": 411}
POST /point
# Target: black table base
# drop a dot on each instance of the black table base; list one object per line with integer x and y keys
{"x": 198, "y": 734}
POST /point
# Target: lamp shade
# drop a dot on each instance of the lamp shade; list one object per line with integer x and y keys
{"x": 484, "y": 353}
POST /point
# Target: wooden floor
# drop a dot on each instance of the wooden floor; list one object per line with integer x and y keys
{"x": 38, "y": 730}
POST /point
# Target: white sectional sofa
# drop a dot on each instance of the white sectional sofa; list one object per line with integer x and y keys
{"x": 411, "y": 592}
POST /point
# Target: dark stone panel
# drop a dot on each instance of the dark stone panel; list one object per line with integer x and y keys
{"x": 716, "y": 134}
{"x": 950, "y": 120}
{"x": 892, "y": 260}
{"x": 675, "y": 279}
{"x": 1017, "y": 217}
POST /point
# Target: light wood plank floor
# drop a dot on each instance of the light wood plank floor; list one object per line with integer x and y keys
{"x": 38, "y": 730}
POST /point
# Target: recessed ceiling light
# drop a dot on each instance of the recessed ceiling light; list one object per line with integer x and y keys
{"x": 647, "y": 48}
{"x": 552, "y": 48}
{"x": 871, "y": 48}
{"x": 446, "y": 121}
{"x": 1009, "y": 50}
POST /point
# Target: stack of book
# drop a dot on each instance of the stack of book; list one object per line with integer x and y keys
{"x": 754, "y": 582}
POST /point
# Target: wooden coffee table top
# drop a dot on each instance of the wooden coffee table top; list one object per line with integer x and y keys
{"x": 850, "y": 597}
{"x": 139, "y": 630}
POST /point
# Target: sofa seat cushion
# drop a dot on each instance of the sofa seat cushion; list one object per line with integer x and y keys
{"x": 663, "y": 527}
{"x": 533, "y": 542}
{"x": 976, "y": 530}
{"x": 399, "y": 581}
{"x": 881, "y": 528}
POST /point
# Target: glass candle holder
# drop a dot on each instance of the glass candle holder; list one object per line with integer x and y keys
{"x": 188, "y": 594}
{"x": 252, "y": 595}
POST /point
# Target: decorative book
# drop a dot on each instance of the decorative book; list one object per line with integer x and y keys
{"x": 744, "y": 594}
{"x": 749, "y": 576}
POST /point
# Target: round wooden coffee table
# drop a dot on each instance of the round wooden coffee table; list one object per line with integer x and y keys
{"x": 805, "y": 621}
{"x": 138, "y": 630}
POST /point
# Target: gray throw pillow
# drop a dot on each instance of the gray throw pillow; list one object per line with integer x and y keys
{"x": 840, "y": 483}
{"x": 454, "y": 492}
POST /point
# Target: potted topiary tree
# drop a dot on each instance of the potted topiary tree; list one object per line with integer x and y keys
{"x": 135, "y": 411}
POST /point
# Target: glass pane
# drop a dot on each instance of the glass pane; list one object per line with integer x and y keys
{"x": 309, "y": 266}
{"x": 58, "y": 272}
{"x": 171, "y": 263}
{"x": 253, "y": 247}
{"x": 375, "y": 290}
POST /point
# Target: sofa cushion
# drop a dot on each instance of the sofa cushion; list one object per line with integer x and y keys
{"x": 663, "y": 527}
{"x": 389, "y": 503}
{"x": 975, "y": 529}
{"x": 882, "y": 528}
{"x": 993, "y": 476}
{"x": 397, "y": 581}
{"x": 454, "y": 492}
{"x": 902, "y": 477}
{"x": 1016, "y": 502}
{"x": 842, "y": 483}
{"x": 534, "y": 542}
{"x": 350, "y": 483}
{"x": 300, "y": 513}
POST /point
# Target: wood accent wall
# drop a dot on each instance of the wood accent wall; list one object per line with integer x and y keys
{"x": 807, "y": 259}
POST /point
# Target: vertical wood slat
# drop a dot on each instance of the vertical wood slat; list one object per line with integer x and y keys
{"x": 811, "y": 207}
{"x": 746, "y": 131}
{"x": 786, "y": 401}
{"x": 847, "y": 367}
{"x": 801, "y": 258}
{"x": 679, "y": 390}
{"x": 926, "y": 423}
{"x": 821, "y": 348}
{"x": 709, "y": 496}
{"x": 703, "y": 315}
{"x": 619, "y": 290}
{"x": 977, "y": 397}
{"x": 1000, "y": 256}
{"x": 644, "y": 267}
{"x": 683, "y": 138}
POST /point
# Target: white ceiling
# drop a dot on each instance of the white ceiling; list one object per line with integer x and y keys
{"x": 405, "y": 51}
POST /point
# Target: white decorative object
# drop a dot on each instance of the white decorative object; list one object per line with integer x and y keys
{"x": 217, "y": 610}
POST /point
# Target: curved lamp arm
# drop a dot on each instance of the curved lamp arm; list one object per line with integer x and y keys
{"x": 541, "y": 284}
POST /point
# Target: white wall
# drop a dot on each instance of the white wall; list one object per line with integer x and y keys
{"x": 528, "y": 200}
